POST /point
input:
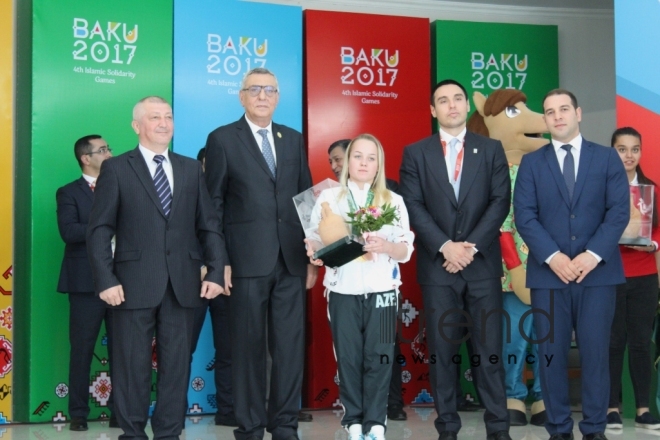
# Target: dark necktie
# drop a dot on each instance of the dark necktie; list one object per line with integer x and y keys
{"x": 162, "y": 185}
{"x": 267, "y": 151}
{"x": 569, "y": 170}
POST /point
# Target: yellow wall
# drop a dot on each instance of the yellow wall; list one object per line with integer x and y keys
{"x": 6, "y": 203}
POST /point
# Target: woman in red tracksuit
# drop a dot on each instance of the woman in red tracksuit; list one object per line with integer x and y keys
{"x": 636, "y": 300}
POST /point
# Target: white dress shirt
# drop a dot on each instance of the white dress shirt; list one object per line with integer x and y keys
{"x": 152, "y": 165}
{"x": 361, "y": 277}
{"x": 257, "y": 137}
{"x": 89, "y": 179}
{"x": 576, "y": 145}
{"x": 444, "y": 136}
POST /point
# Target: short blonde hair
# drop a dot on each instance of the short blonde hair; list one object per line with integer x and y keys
{"x": 138, "y": 110}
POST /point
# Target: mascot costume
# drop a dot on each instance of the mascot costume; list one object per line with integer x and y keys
{"x": 504, "y": 116}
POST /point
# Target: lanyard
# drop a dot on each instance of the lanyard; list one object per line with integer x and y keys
{"x": 459, "y": 158}
{"x": 353, "y": 206}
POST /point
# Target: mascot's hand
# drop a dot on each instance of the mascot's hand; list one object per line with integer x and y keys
{"x": 518, "y": 276}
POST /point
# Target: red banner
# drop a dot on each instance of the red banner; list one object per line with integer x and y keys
{"x": 364, "y": 74}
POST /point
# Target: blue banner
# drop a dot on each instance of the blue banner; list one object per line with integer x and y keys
{"x": 215, "y": 44}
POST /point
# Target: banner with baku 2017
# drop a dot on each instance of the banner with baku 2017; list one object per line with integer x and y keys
{"x": 91, "y": 62}
{"x": 215, "y": 44}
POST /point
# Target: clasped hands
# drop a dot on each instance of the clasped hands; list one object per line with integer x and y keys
{"x": 114, "y": 295}
{"x": 458, "y": 255}
{"x": 573, "y": 270}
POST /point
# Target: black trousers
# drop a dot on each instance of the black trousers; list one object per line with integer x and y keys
{"x": 133, "y": 330}
{"x": 86, "y": 313}
{"x": 219, "y": 308}
{"x": 276, "y": 301}
{"x": 363, "y": 334}
{"x": 634, "y": 316}
{"x": 447, "y": 308}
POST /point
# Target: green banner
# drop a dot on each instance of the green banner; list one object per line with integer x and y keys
{"x": 489, "y": 56}
{"x": 90, "y": 63}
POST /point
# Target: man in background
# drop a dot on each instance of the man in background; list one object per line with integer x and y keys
{"x": 86, "y": 310}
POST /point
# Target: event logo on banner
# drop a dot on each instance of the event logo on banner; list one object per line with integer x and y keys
{"x": 91, "y": 63}
{"x": 497, "y": 56}
{"x": 215, "y": 44}
{"x": 366, "y": 82}
{"x": 110, "y": 45}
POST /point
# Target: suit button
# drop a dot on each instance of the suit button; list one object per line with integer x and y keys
{"x": 572, "y": 215}
{"x": 458, "y": 232}
{"x": 167, "y": 252}
{"x": 460, "y": 212}
{"x": 573, "y": 237}
{"x": 279, "y": 220}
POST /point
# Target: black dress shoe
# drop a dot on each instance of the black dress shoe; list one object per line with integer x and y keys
{"x": 448, "y": 435}
{"x": 568, "y": 436}
{"x": 539, "y": 419}
{"x": 293, "y": 437}
{"x": 113, "y": 422}
{"x": 499, "y": 435}
{"x": 78, "y": 424}
{"x": 253, "y": 437}
{"x": 226, "y": 420}
{"x": 466, "y": 406}
{"x": 595, "y": 436}
{"x": 517, "y": 418}
{"x": 397, "y": 414}
{"x": 304, "y": 417}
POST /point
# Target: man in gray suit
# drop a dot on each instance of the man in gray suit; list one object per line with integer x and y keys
{"x": 157, "y": 205}
{"x": 253, "y": 169}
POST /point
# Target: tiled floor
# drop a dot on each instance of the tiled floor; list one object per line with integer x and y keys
{"x": 325, "y": 426}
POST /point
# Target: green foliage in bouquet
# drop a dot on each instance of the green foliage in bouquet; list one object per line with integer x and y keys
{"x": 372, "y": 218}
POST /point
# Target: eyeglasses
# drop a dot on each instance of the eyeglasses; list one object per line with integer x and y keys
{"x": 102, "y": 150}
{"x": 256, "y": 90}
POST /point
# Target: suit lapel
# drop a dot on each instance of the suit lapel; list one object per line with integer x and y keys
{"x": 279, "y": 147}
{"x": 246, "y": 136}
{"x": 140, "y": 167}
{"x": 84, "y": 187}
{"x": 586, "y": 153}
{"x": 553, "y": 164}
{"x": 473, "y": 154}
{"x": 180, "y": 176}
{"x": 434, "y": 156}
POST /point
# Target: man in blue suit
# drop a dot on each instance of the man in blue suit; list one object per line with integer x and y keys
{"x": 571, "y": 204}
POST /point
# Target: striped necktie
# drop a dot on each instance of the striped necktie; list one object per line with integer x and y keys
{"x": 267, "y": 151}
{"x": 162, "y": 185}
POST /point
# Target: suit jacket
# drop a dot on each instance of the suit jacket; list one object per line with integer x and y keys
{"x": 436, "y": 216}
{"x": 74, "y": 203}
{"x": 256, "y": 209}
{"x": 151, "y": 248}
{"x": 593, "y": 220}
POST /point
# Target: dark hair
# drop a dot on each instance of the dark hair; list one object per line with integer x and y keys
{"x": 83, "y": 146}
{"x": 201, "y": 154}
{"x": 641, "y": 177}
{"x": 446, "y": 82}
{"x": 343, "y": 143}
{"x": 554, "y": 92}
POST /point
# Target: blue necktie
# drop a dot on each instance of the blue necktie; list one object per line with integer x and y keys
{"x": 267, "y": 151}
{"x": 569, "y": 170}
{"x": 162, "y": 185}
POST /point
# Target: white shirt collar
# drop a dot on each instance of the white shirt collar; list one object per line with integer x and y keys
{"x": 575, "y": 143}
{"x": 255, "y": 128}
{"x": 149, "y": 155}
{"x": 91, "y": 179}
{"x": 634, "y": 181}
{"x": 354, "y": 186}
{"x": 448, "y": 137}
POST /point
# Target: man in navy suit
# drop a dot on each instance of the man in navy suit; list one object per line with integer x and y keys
{"x": 86, "y": 310}
{"x": 571, "y": 204}
{"x": 456, "y": 187}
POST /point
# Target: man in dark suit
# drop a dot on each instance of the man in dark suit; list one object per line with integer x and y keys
{"x": 157, "y": 205}
{"x": 253, "y": 169}
{"x": 456, "y": 186}
{"x": 571, "y": 204}
{"x": 86, "y": 310}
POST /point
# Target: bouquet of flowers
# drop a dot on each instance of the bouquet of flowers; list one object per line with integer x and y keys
{"x": 372, "y": 218}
